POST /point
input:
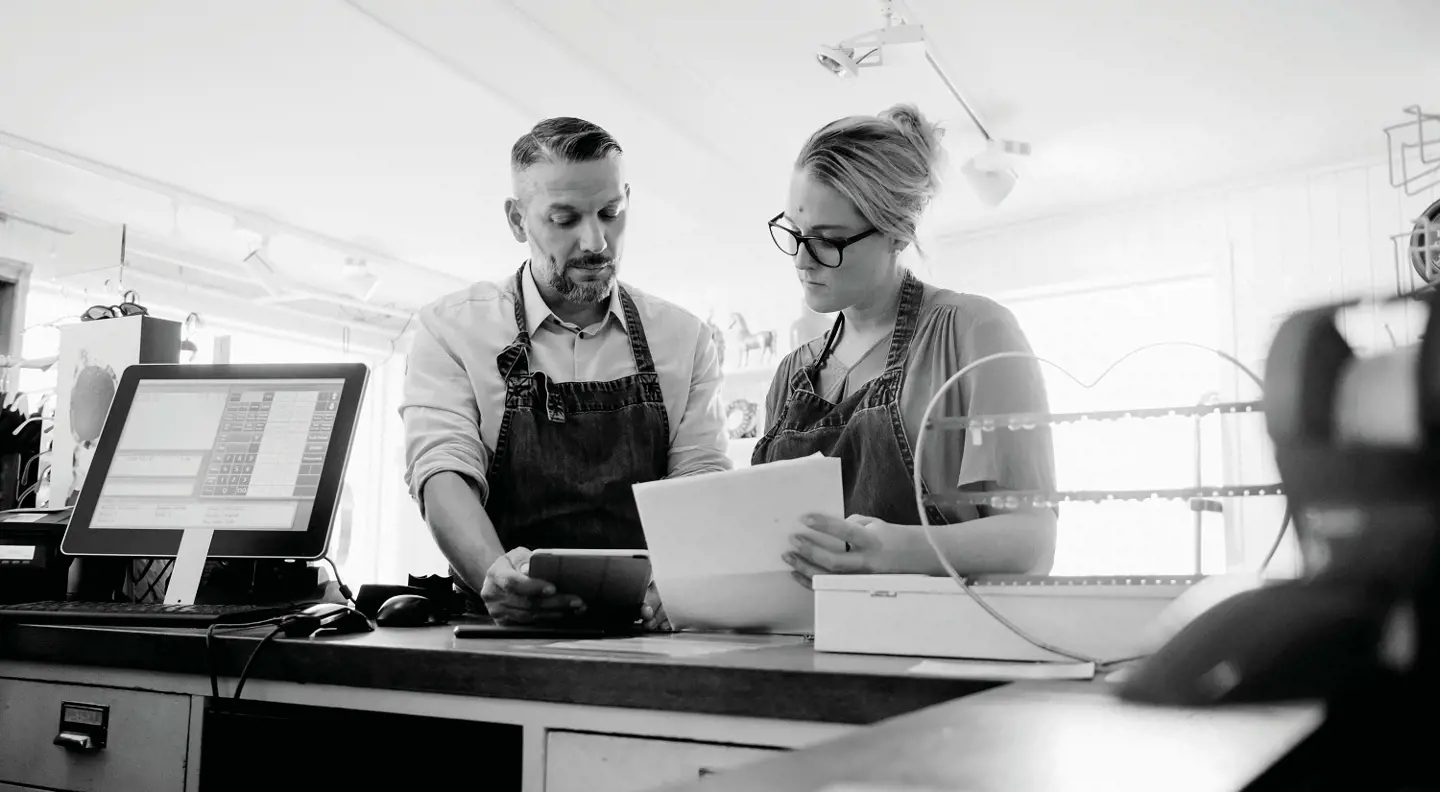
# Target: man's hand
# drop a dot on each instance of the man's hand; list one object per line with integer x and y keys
{"x": 512, "y": 597}
{"x": 654, "y": 613}
{"x": 857, "y": 545}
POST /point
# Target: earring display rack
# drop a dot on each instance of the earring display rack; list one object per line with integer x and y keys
{"x": 977, "y": 426}
{"x": 1022, "y": 421}
{"x": 1016, "y": 499}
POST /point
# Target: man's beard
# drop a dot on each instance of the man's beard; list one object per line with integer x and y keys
{"x": 587, "y": 292}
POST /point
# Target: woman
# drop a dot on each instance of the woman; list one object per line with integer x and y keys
{"x": 859, "y": 393}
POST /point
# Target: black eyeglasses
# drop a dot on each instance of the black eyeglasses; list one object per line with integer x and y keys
{"x": 826, "y": 252}
{"x": 126, "y": 308}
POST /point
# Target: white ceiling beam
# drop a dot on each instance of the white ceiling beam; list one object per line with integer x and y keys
{"x": 255, "y": 221}
{"x": 140, "y": 245}
{"x": 222, "y": 309}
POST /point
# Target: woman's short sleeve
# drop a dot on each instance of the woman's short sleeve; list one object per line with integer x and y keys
{"x": 956, "y": 336}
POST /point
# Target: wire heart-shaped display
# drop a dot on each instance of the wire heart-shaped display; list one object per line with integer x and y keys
{"x": 919, "y": 489}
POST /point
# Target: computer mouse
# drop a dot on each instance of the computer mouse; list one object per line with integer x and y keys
{"x": 331, "y": 617}
{"x": 1285, "y": 642}
{"x": 406, "y": 610}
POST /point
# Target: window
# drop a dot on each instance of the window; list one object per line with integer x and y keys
{"x": 1086, "y": 333}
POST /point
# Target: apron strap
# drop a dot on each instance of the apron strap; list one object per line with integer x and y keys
{"x": 885, "y": 389}
{"x": 513, "y": 362}
{"x": 635, "y": 329}
{"x": 912, "y": 295}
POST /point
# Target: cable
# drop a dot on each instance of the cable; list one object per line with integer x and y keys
{"x": 340, "y": 584}
{"x": 919, "y": 486}
{"x": 278, "y": 622}
{"x": 245, "y": 672}
{"x": 1279, "y": 535}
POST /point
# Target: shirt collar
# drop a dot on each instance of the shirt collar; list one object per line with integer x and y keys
{"x": 537, "y": 311}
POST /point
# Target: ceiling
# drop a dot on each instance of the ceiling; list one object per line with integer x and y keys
{"x": 383, "y": 126}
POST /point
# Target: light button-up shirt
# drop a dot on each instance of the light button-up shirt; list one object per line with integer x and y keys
{"x": 454, "y": 396}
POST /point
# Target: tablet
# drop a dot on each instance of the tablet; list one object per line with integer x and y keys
{"x": 614, "y": 579}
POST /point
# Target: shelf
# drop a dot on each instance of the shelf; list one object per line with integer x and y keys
{"x": 1017, "y": 421}
{"x": 1015, "y": 499}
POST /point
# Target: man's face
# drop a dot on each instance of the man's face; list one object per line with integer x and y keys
{"x": 572, "y": 215}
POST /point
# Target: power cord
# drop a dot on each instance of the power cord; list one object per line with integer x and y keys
{"x": 279, "y": 624}
{"x": 339, "y": 584}
{"x": 245, "y": 672}
{"x": 919, "y": 486}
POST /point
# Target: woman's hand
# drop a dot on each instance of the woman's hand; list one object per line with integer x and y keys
{"x": 653, "y": 612}
{"x": 857, "y": 545}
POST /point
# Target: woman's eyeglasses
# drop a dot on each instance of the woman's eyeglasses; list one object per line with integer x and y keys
{"x": 826, "y": 252}
{"x": 126, "y": 308}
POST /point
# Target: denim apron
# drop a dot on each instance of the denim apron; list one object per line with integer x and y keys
{"x": 568, "y": 453}
{"x": 865, "y": 430}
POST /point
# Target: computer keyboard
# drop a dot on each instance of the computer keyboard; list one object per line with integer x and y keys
{"x": 128, "y": 614}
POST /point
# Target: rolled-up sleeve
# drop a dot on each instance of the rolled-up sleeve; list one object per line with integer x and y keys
{"x": 700, "y": 441}
{"x": 440, "y": 412}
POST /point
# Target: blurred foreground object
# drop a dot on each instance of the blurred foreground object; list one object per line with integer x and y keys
{"x": 1357, "y": 443}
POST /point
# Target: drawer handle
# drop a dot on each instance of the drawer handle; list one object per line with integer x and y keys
{"x": 76, "y": 742}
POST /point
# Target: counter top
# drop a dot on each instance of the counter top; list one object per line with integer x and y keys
{"x": 1050, "y": 736}
{"x": 772, "y": 677}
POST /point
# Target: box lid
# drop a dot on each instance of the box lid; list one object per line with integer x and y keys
{"x": 1019, "y": 585}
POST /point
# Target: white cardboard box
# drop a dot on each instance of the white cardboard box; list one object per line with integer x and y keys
{"x": 921, "y": 616}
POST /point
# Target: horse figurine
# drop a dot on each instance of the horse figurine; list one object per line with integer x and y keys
{"x": 717, "y": 335}
{"x": 746, "y": 341}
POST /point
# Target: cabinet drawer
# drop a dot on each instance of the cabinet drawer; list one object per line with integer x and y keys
{"x": 582, "y": 762}
{"x": 145, "y": 748}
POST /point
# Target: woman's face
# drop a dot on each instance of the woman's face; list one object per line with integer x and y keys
{"x": 815, "y": 209}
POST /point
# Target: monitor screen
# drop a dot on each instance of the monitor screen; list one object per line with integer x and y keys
{"x": 243, "y": 455}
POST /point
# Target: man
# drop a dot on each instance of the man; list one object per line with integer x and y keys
{"x": 532, "y": 404}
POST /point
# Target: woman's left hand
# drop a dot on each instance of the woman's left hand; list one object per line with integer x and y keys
{"x": 871, "y": 546}
{"x": 653, "y": 612}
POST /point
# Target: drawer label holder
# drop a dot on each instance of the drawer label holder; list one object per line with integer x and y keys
{"x": 83, "y": 727}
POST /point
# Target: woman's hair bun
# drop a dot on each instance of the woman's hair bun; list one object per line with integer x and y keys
{"x": 922, "y": 133}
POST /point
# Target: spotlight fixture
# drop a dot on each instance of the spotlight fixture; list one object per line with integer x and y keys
{"x": 841, "y": 60}
{"x": 991, "y": 173}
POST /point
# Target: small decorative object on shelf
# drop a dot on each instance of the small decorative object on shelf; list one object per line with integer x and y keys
{"x": 740, "y": 418}
{"x": 761, "y": 342}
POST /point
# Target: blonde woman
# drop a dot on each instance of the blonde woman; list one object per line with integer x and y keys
{"x": 858, "y": 192}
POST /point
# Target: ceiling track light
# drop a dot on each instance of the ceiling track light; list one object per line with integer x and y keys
{"x": 991, "y": 173}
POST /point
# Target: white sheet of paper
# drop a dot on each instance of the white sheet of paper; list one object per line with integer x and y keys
{"x": 999, "y": 670}
{"x": 715, "y": 543}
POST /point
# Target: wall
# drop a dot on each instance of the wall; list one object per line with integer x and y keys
{"x": 1271, "y": 247}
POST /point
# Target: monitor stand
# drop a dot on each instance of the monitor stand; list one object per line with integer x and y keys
{"x": 189, "y": 566}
